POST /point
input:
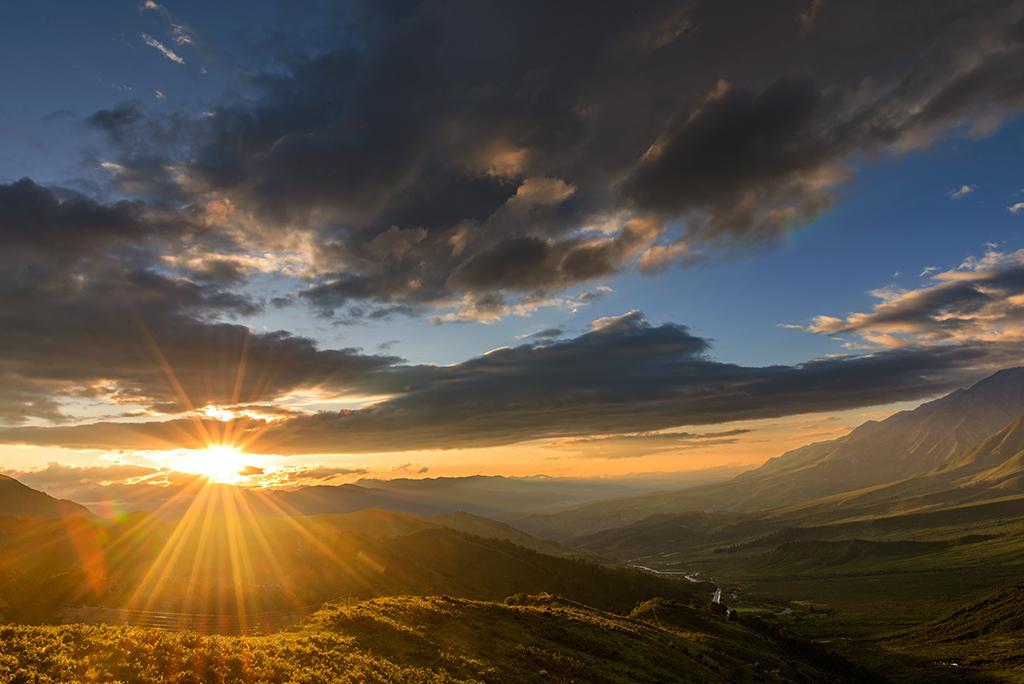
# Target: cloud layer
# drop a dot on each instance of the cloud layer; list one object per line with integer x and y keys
{"x": 624, "y": 376}
{"x": 475, "y": 162}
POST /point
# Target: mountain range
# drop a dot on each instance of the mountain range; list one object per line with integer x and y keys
{"x": 963, "y": 447}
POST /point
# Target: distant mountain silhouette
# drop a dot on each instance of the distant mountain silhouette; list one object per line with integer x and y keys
{"x": 947, "y": 444}
{"x": 491, "y": 496}
{"x": 498, "y": 496}
{"x": 17, "y": 499}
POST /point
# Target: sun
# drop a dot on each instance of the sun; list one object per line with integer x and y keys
{"x": 217, "y": 463}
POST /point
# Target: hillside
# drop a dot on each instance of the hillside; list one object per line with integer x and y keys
{"x": 218, "y": 561}
{"x": 480, "y": 526}
{"x": 983, "y": 637}
{"x": 16, "y": 499}
{"x": 435, "y": 639}
{"x": 921, "y": 451}
{"x": 991, "y": 470}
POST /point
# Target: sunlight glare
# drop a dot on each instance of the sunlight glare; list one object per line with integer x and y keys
{"x": 218, "y": 463}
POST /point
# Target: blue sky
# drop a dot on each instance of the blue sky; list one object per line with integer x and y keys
{"x": 894, "y": 216}
{"x": 745, "y": 198}
{"x": 894, "y": 219}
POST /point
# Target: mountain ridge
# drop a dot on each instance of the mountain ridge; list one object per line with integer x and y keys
{"x": 909, "y": 445}
{"x": 18, "y": 499}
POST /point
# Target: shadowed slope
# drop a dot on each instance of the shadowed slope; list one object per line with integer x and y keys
{"x": 17, "y": 499}
{"x": 981, "y": 637}
{"x": 249, "y": 565}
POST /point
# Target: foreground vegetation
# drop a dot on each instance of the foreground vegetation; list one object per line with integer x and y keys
{"x": 435, "y": 639}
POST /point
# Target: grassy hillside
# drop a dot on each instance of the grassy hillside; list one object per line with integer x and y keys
{"x": 434, "y": 639}
{"x": 980, "y": 641}
{"x": 222, "y": 564}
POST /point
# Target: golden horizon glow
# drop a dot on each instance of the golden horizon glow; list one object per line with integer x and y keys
{"x": 219, "y": 463}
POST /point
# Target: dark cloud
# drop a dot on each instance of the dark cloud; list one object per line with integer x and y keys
{"x": 433, "y": 153}
{"x": 744, "y": 163}
{"x": 647, "y": 443}
{"x": 624, "y": 376}
{"x": 547, "y": 334}
{"x": 91, "y": 311}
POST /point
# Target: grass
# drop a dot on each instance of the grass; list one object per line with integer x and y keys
{"x": 983, "y": 640}
{"x": 433, "y": 639}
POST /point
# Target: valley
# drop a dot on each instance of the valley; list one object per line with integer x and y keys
{"x": 932, "y": 544}
{"x": 849, "y": 567}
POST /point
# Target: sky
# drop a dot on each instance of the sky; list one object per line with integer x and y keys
{"x": 292, "y": 243}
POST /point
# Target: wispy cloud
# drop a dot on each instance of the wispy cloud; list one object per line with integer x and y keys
{"x": 180, "y": 34}
{"x": 1016, "y": 208}
{"x": 980, "y": 301}
{"x": 164, "y": 50}
{"x": 962, "y": 191}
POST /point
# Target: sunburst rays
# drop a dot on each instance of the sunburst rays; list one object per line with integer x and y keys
{"x": 206, "y": 549}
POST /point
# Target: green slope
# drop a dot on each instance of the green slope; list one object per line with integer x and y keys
{"x": 979, "y": 641}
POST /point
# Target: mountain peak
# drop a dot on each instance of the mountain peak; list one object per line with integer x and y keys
{"x": 1006, "y": 374}
{"x": 937, "y": 435}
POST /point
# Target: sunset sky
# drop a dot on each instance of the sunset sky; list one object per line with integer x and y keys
{"x": 404, "y": 239}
